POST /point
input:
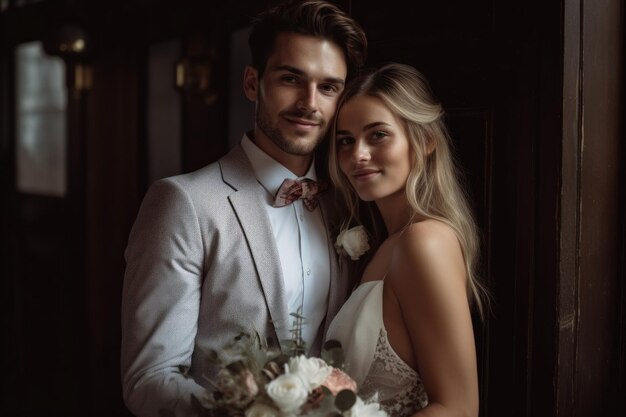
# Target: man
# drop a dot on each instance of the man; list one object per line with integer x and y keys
{"x": 225, "y": 248}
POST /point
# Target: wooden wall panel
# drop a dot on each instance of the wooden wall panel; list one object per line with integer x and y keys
{"x": 114, "y": 174}
{"x": 602, "y": 76}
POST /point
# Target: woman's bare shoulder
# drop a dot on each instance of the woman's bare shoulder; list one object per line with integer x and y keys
{"x": 429, "y": 238}
{"x": 428, "y": 250}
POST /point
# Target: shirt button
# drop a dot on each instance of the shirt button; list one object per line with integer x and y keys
{"x": 308, "y": 271}
{"x": 301, "y": 217}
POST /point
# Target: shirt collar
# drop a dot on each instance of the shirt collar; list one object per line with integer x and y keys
{"x": 269, "y": 172}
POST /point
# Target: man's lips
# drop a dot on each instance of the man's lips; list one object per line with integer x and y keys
{"x": 302, "y": 123}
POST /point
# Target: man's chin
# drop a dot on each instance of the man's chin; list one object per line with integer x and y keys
{"x": 302, "y": 146}
{"x": 300, "y": 151}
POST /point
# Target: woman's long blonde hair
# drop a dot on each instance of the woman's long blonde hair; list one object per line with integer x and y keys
{"x": 432, "y": 188}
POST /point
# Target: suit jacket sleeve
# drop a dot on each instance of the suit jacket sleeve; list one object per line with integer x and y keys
{"x": 160, "y": 303}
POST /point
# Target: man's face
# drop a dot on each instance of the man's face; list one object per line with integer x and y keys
{"x": 297, "y": 95}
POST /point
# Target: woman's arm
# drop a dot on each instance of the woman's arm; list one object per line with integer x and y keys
{"x": 428, "y": 278}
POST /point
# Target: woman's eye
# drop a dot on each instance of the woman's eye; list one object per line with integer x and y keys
{"x": 344, "y": 141}
{"x": 379, "y": 134}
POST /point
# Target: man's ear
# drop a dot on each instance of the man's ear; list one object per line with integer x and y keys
{"x": 251, "y": 83}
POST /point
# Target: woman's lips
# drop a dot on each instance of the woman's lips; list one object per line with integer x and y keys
{"x": 364, "y": 174}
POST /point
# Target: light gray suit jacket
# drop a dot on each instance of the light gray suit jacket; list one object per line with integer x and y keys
{"x": 202, "y": 265}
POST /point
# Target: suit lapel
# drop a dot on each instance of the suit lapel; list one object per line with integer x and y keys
{"x": 247, "y": 203}
{"x": 339, "y": 279}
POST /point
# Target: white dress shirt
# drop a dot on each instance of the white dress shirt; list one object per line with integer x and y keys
{"x": 301, "y": 240}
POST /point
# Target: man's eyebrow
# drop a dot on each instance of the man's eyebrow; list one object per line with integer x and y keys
{"x": 298, "y": 71}
{"x": 289, "y": 68}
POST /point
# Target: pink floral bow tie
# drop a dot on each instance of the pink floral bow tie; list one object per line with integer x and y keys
{"x": 306, "y": 189}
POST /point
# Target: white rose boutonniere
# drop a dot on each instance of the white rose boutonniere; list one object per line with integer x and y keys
{"x": 352, "y": 242}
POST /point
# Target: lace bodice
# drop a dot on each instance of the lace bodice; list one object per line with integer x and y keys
{"x": 370, "y": 359}
{"x": 399, "y": 388}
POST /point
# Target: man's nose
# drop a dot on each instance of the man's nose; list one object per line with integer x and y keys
{"x": 307, "y": 101}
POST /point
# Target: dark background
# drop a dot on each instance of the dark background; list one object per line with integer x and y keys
{"x": 534, "y": 94}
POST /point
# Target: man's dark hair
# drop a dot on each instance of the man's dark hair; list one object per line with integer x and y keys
{"x": 313, "y": 18}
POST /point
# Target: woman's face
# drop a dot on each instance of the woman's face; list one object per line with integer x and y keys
{"x": 373, "y": 150}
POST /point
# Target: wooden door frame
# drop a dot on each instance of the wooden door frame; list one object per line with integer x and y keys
{"x": 591, "y": 299}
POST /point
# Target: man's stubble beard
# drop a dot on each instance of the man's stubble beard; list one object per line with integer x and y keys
{"x": 273, "y": 132}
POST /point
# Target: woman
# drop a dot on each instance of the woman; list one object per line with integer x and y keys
{"x": 407, "y": 329}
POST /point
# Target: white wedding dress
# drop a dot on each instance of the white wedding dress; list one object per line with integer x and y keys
{"x": 370, "y": 359}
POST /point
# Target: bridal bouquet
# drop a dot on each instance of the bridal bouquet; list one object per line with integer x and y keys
{"x": 254, "y": 381}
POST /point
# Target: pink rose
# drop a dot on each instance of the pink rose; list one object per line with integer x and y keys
{"x": 338, "y": 380}
{"x": 252, "y": 389}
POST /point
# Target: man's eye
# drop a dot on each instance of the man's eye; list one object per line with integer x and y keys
{"x": 289, "y": 79}
{"x": 329, "y": 88}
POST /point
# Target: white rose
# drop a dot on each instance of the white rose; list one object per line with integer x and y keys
{"x": 360, "y": 409}
{"x": 313, "y": 371}
{"x": 261, "y": 410}
{"x": 288, "y": 392}
{"x": 353, "y": 242}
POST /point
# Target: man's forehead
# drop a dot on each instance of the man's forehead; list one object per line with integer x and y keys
{"x": 305, "y": 54}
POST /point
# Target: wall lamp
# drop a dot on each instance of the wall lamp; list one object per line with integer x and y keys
{"x": 194, "y": 75}
{"x": 72, "y": 43}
